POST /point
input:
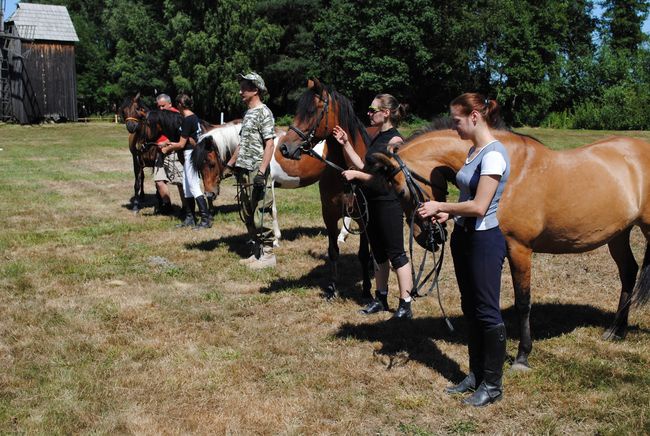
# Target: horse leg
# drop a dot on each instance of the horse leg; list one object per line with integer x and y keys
{"x": 520, "y": 258}
{"x": 619, "y": 249}
{"x": 343, "y": 234}
{"x": 274, "y": 214}
{"x": 138, "y": 190}
{"x": 364, "y": 259}
{"x": 641, "y": 294}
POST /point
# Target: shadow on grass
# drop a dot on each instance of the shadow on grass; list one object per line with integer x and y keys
{"x": 415, "y": 339}
{"x": 149, "y": 200}
{"x": 240, "y": 245}
{"x": 321, "y": 276}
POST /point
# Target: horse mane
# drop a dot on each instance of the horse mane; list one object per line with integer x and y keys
{"x": 306, "y": 109}
{"x": 446, "y": 123}
{"x": 169, "y": 121}
{"x": 222, "y": 139}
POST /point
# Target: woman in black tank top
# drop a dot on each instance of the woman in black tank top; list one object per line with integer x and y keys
{"x": 386, "y": 221}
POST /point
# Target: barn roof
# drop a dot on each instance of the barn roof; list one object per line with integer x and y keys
{"x": 44, "y": 22}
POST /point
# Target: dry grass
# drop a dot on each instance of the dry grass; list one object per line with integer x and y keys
{"x": 98, "y": 334}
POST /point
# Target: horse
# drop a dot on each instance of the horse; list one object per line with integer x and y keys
{"x": 133, "y": 114}
{"x": 320, "y": 108}
{"x": 556, "y": 202}
{"x": 216, "y": 147}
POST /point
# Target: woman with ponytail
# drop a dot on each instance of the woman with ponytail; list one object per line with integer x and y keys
{"x": 477, "y": 244}
{"x": 385, "y": 225}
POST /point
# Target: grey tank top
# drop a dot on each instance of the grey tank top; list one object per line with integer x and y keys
{"x": 467, "y": 180}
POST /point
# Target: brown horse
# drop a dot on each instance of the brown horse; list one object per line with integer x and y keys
{"x": 145, "y": 127}
{"x": 318, "y": 111}
{"x": 555, "y": 202}
{"x": 133, "y": 114}
{"x": 215, "y": 148}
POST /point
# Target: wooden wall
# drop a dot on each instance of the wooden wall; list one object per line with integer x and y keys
{"x": 48, "y": 81}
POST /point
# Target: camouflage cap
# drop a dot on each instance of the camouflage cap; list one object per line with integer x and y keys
{"x": 255, "y": 79}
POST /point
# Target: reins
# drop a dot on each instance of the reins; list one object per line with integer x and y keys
{"x": 435, "y": 234}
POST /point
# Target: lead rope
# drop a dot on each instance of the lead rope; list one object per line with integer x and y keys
{"x": 416, "y": 191}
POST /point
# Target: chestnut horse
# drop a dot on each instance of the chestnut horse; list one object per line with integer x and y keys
{"x": 319, "y": 110}
{"x": 556, "y": 202}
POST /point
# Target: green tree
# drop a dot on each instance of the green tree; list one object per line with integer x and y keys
{"x": 623, "y": 21}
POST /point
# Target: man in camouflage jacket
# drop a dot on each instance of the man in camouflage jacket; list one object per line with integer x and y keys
{"x": 251, "y": 162}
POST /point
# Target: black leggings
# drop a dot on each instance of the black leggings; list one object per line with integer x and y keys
{"x": 478, "y": 260}
{"x": 386, "y": 232}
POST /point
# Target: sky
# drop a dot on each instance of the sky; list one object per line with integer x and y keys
{"x": 11, "y": 7}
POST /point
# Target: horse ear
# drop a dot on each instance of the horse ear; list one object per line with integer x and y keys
{"x": 315, "y": 85}
{"x": 136, "y": 98}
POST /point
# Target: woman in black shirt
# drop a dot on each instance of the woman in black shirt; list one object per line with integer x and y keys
{"x": 190, "y": 131}
{"x": 386, "y": 222}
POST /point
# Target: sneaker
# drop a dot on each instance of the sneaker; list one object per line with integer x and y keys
{"x": 265, "y": 261}
{"x": 248, "y": 260}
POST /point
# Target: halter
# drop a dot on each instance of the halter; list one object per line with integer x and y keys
{"x": 308, "y": 138}
{"x": 436, "y": 235}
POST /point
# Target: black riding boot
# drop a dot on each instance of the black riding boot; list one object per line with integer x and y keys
{"x": 475, "y": 351}
{"x": 190, "y": 219}
{"x": 403, "y": 310}
{"x": 494, "y": 352}
{"x": 206, "y": 221}
{"x": 379, "y": 304}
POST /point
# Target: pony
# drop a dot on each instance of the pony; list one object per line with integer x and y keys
{"x": 320, "y": 108}
{"x": 556, "y": 202}
{"x": 216, "y": 147}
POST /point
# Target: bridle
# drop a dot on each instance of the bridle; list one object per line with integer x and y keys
{"x": 436, "y": 234}
{"x": 309, "y": 137}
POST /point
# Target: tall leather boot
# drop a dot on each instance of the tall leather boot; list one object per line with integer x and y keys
{"x": 494, "y": 352}
{"x": 206, "y": 221}
{"x": 379, "y": 304}
{"x": 475, "y": 351}
{"x": 188, "y": 206}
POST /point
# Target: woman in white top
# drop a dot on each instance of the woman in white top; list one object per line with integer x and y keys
{"x": 477, "y": 244}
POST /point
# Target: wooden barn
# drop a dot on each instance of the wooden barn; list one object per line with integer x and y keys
{"x": 40, "y": 55}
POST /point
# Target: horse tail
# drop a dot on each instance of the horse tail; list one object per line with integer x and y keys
{"x": 641, "y": 294}
{"x": 200, "y": 153}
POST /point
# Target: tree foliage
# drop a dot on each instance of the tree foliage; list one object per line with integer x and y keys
{"x": 542, "y": 60}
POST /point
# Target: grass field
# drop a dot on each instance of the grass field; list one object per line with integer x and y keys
{"x": 112, "y": 322}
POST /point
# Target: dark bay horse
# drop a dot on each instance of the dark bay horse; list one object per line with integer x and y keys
{"x": 318, "y": 111}
{"x": 133, "y": 114}
{"x": 568, "y": 201}
{"x": 144, "y": 127}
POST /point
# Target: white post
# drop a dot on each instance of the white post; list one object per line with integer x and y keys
{"x": 221, "y": 118}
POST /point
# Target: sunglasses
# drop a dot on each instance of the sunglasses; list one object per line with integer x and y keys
{"x": 373, "y": 110}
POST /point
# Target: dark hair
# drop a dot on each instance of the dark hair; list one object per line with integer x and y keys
{"x": 473, "y": 101}
{"x": 185, "y": 101}
{"x": 397, "y": 109}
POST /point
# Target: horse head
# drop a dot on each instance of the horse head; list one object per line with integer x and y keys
{"x": 207, "y": 162}
{"x": 414, "y": 188}
{"x": 211, "y": 153}
{"x": 133, "y": 113}
{"x": 314, "y": 121}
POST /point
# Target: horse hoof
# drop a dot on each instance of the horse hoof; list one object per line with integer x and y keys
{"x": 520, "y": 367}
{"x": 613, "y": 335}
{"x": 331, "y": 293}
